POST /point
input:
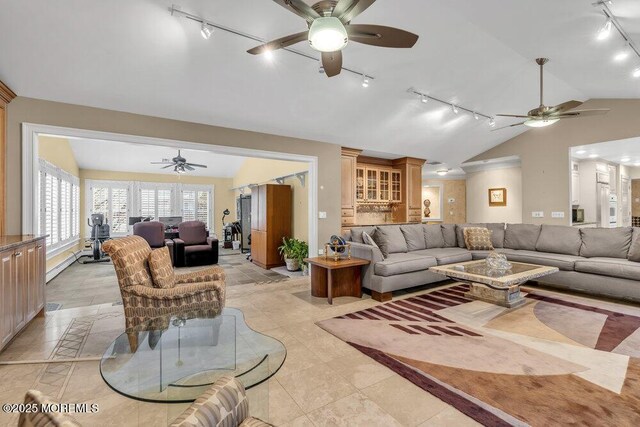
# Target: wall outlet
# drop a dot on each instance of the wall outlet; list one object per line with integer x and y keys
{"x": 557, "y": 214}
{"x": 537, "y": 214}
{"x": 322, "y": 215}
{"x": 320, "y": 251}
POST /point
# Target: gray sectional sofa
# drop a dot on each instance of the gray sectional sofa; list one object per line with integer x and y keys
{"x": 600, "y": 261}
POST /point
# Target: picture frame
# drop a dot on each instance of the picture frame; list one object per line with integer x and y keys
{"x": 497, "y": 197}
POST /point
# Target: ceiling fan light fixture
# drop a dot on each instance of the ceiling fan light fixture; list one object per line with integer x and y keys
{"x": 328, "y": 34}
{"x": 206, "y": 31}
{"x": 605, "y": 31}
{"x": 540, "y": 123}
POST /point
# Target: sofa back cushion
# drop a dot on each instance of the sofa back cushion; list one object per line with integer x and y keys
{"x": 521, "y": 236}
{"x": 559, "y": 239}
{"x": 606, "y": 242}
{"x": 460, "y": 233}
{"x": 414, "y": 236}
{"x": 193, "y": 232}
{"x": 356, "y": 233}
{"x": 634, "y": 250}
{"x": 449, "y": 235}
{"x": 433, "y": 236}
{"x": 477, "y": 239}
{"x": 390, "y": 240}
{"x": 497, "y": 234}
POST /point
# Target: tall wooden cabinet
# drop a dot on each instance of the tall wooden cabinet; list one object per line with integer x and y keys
{"x": 348, "y": 179}
{"x": 271, "y": 218}
{"x": 22, "y": 282}
{"x": 6, "y": 95}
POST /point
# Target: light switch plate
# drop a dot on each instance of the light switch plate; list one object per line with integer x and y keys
{"x": 557, "y": 214}
{"x": 322, "y": 215}
{"x": 320, "y": 251}
{"x": 537, "y": 214}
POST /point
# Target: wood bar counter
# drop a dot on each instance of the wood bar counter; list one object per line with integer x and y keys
{"x": 22, "y": 282}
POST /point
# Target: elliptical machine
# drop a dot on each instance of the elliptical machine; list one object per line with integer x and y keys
{"x": 100, "y": 232}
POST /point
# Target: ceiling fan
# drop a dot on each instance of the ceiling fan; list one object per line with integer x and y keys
{"x": 179, "y": 163}
{"x": 330, "y": 30}
{"x": 545, "y": 116}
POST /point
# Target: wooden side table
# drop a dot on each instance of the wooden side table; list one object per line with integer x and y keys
{"x": 340, "y": 278}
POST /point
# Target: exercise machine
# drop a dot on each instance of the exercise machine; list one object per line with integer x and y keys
{"x": 100, "y": 232}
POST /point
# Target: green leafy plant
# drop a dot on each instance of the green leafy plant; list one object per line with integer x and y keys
{"x": 293, "y": 248}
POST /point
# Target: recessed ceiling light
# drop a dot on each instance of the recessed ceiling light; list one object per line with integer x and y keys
{"x": 593, "y": 156}
{"x": 605, "y": 31}
{"x": 636, "y": 164}
{"x": 580, "y": 152}
{"x": 625, "y": 159}
{"x": 442, "y": 172}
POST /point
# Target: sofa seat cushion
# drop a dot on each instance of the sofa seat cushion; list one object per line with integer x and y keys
{"x": 562, "y": 261}
{"x": 401, "y": 263}
{"x": 197, "y": 248}
{"x": 446, "y": 255}
{"x": 613, "y": 267}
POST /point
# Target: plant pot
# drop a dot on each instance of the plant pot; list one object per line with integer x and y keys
{"x": 292, "y": 264}
{"x": 305, "y": 270}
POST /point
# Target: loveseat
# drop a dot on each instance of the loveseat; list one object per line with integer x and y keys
{"x": 600, "y": 261}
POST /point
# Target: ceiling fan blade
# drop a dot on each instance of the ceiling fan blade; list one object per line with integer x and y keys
{"x": 280, "y": 43}
{"x": 168, "y": 166}
{"x": 196, "y": 165}
{"x": 187, "y": 167}
{"x": 379, "y": 35}
{"x": 513, "y": 115}
{"x": 332, "y": 63}
{"x": 347, "y": 10}
{"x": 161, "y": 163}
{"x": 583, "y": 113}
{"x": 510, "y": 126}
{"x": 565, "y": 106}
{"x": 300, "y": 8}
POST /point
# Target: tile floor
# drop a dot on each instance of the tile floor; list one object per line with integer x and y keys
{"x": 323, "y": 382}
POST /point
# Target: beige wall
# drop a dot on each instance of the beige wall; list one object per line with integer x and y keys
{"x": 544, "y": 153}
{"x": 28, "y": 110}
{"x": 454, "y": 212}
{"x": 57, "y": 151}
{"x": 478, "y": 185}
{"x": 259, "y": 171}
{"x": 635, "y": 197}
{"x": 223, "y": 196}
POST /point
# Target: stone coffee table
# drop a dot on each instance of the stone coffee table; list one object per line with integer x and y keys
{"x": 495, "y": 286}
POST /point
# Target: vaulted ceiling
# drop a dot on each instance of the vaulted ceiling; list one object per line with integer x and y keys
{"x": 134, "y": 56}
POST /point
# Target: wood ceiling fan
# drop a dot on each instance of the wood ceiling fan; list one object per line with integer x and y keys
{"x": 330, "y": 30}
{"x": 545, "y": 116}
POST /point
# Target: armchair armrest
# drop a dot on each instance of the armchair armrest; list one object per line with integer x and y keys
{"x": 215, "y": 247}
{"x": 177, "y": 292}
{"x": 172, "y": 250}
{"x": 178, "y": 252}
{"x": 205, "y": 275}
{"x": 364, "y": 251}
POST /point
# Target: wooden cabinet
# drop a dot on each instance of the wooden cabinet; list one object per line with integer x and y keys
{"x": 22, "y": 282}
{"x": 349, "y": 180}
{"x": 271, "y": 218}
{"x": 360, "y": 185}
{"x": 6, "y": 95}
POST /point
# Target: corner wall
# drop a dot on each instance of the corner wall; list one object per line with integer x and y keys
{"x": 29, "y": 110}
{"x": 478, "y": 185}
{"x": 544, "y": 154}
{"x": 455, "y": 212}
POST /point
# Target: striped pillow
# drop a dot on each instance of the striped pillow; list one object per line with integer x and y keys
{"x": 161, "y": 268}
{"x": 477, "y": 238}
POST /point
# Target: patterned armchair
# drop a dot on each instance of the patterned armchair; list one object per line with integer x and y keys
{"x": 145, "y": 300}
{"x": 223, "y": 404}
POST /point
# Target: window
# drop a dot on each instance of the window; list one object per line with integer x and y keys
{"x": 58, "y": 195}
{"x": 112, "y": 200}
{"x": 196, "y": 206}
{"x": 155, "y": 202}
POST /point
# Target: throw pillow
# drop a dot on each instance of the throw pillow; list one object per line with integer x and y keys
{"x": 478, "y": 239}
{"x": 367, "y": 239}
{"x": 634, "y": 250}
{"x": 161, "y": 268}
{"x": 449, "y": 235}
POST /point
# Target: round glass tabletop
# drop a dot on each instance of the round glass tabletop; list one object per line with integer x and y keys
{"x": 176, "y": 358}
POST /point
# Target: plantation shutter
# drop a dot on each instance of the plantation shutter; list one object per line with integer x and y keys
{"x": 119, "y": 210}
{"x": 148, "y": 203}
{"x": 203, "y": 207}
{"x": 164, "y": 202}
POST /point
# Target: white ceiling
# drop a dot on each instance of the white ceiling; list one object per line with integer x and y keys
{"x": 611, "y": 151}
{"x": 108, "y": 156}
{"x": 134, "y": 56}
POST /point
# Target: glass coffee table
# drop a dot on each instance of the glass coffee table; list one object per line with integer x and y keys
{"x": 174, "y": 359}
{"x": 500, "y": 287}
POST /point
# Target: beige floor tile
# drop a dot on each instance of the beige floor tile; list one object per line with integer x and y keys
{"x": 355, "y": 410}
{"x": 404, "y": 401}
{"x": 302, "y": 421}
{"x": 315, "y": 387}
{"x": 281, "y": 407}
{"x": 360, "y": 370}
{"x": 450, "y": 417}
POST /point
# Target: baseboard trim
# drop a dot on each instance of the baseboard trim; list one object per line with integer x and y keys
{"x": 51, "y": 274}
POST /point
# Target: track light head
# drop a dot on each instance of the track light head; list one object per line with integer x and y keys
{"x": 636, "y": 72}
{"x": 424, "y": 99}
{"x": 605, "y": 31}
{"x": 365, "y": 81}
{"x": 206, "y": 31}
{"x": 454, "y": 108}
{"x": 492, "y": 122}
{"x": 476, "y": 116}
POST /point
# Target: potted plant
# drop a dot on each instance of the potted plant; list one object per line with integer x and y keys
{"x": 303, "y": 253}
{"x": 290, "y": 251}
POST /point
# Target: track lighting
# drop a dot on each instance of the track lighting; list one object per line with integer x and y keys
{"x": 605, "y": 31}
{"x": 206, "y": 31}
{"x": 424, "y": 98}
{"x": 476, "y": 116}
{"x": 454, "y": 109}
{"x": 593, "y": 156}
{"x": 365, "y": 81}
{"x": 622, "y": 54}
{"x": 636, "y": 72}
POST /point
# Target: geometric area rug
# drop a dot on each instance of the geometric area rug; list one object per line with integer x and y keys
{"x": 556, "y": 360}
